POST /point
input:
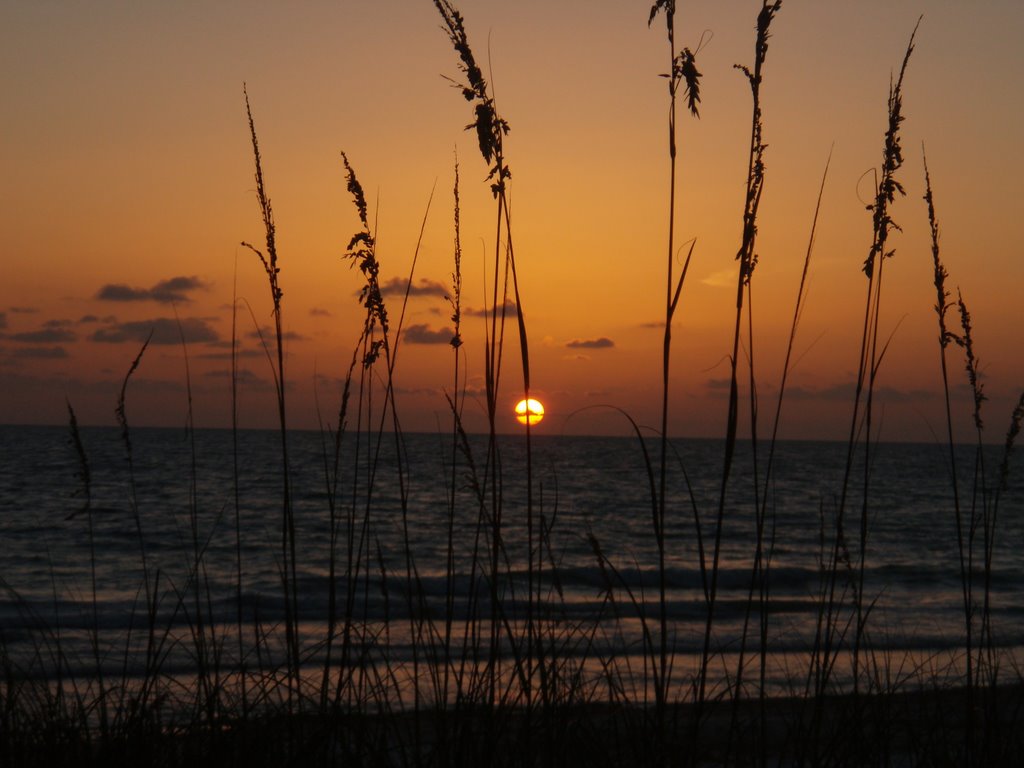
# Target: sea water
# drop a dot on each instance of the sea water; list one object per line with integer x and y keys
{"x": 175, "y": 529}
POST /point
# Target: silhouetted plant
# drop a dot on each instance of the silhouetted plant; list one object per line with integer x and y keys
{"x": 872, "y": 352}
{"x": 946, "y": 337}
{"x": 491, "y": 129}
{"x": 682, "y": 72}
{"x": 361, "y": 250}
{"x": 289, "y": 574}
{"x": 746, "y": 256}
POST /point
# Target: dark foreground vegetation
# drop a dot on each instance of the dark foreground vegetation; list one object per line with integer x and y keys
{"x": 493, "y": 677}
{"x": 923, "y": 727}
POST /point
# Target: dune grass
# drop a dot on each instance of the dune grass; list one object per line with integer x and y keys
{"x": 501, "y": 673}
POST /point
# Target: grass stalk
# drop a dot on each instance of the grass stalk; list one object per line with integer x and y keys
{"x": 455, "y": 403}
{"x": 87, "y": 509}
{"x": 682, "y": 72}
{"x": 270, "y": 266}
{"x": 747, "y": 259}
{"x": 942, "y": 306}
{"x": 762, "y": 560}
{"x": 871, "y": 354}
{"x": 491, "y": 130}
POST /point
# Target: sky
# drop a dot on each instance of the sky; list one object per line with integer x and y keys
{"x": 127, "y": 186}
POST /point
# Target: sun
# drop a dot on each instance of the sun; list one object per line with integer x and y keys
{"x": 529, "y": 411}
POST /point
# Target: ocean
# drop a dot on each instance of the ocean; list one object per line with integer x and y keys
{"x": 184, "y": 539}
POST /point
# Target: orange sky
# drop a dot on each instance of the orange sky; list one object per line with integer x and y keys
{"x": 127, "y": 185}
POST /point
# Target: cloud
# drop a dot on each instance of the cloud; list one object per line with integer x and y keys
{"x": 510, "y": 310}
{"x": 24, "y": 310}
{"x": 319, "y": 312}
{"x": 397, "y": 286}
{"x": 179, "y": 284}
{"x": 3, "y": 320}
{"x": 422, "y": 334}
{"x": 174, "y": 289}
{"x": 835, "y": 393}
{"x": 602, "y": 343}
{"x": 328, "y": 380}
{"x": 44, "y": 336}
{"x": 893, "y": 395}
{"x": 417, "y": 391}
{"x": 97, "y": 319}
{"x": 268, "y": 334}
{"x": 241, "y": 354}
{"x": 121, "y": 292}
{"x": 243, "y": 377}
{"x": 845, "y": 393}
{"x": 165, "y": 331}
{"x": 40, "y": 353}
{"x": 725, "y": 278}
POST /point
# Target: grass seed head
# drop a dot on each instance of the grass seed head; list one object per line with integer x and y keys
{"x": 971, "y": 365}
{"x": 362, "y": 251}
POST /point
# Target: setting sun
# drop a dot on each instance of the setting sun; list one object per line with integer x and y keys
{"x": 529, "y": 411}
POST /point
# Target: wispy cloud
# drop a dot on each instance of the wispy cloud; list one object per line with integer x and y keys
{"x": 52, "y": 335}
{"x": 725, "y": 278}
{"x": 175, "y": 289}
{"x": 97, "y": 319}
{"x": 835, "y": 393}
{"x": 601, "y": 343}
{"x": 320, "y": 312}
{"x": 40, "y": 353}
{"x": 165, "y": 331}
{"x": 243, "y": 377}
{"x": 417, "y": 391}
{"x": 239, "y": 355}
{"x": 839, "y": 393}
{"x": 510, "y": 310}
{"x": 397, "y": 287}
{"x": 423, "y": 334}
{"x": 267, "y": 333}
